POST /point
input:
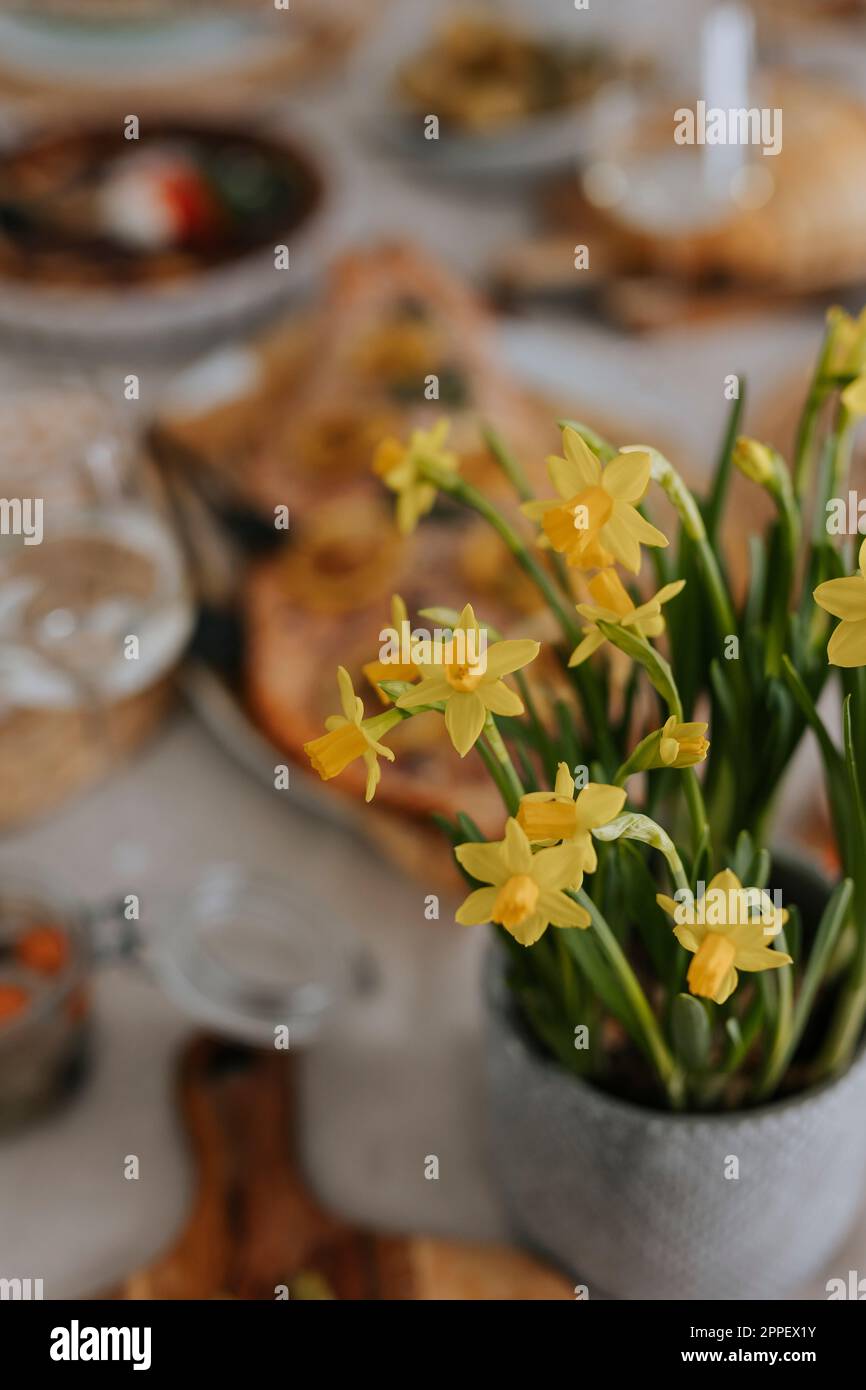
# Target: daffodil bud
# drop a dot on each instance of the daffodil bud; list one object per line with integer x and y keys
{"x": 681, "y": 745}
{"x": 754, "y": 460}
{"x": 854, "y": 397}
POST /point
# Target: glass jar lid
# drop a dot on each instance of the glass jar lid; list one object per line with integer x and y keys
{"x": 249, "y": 955}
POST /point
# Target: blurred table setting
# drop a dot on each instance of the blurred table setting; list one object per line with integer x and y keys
{"x": 230, "y": 257}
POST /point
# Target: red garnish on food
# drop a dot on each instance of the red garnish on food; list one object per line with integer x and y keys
{"x": 195, "y": 211}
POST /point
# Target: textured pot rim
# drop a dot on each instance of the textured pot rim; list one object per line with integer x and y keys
{"x": 500, "y": 1001}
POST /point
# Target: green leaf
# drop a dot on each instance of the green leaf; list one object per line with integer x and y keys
{"x": 834, "y": 766}
{"x": 657, "y": 669}
{"x": 716, "y": 504}
{"x": 826, "y": 937}
{"x": 469, "y": 829}
{"x": 744, "y": 854}
{"x": 691, "y": 1033}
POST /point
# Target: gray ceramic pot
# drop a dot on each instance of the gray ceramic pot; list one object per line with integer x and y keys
{"x": 635, "y": 1203}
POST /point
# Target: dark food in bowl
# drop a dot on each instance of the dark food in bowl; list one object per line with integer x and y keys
{"x": 480, "y": 75}
{"x": 90, "y": 208}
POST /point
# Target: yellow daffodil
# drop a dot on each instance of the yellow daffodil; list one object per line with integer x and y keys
{"x": 526, "y": 894}
{"x": 848, "y": 347}
{"x": 613, "y": 604}
{"x": 754, "y": 460}
{"x": 377, "y": 671}
{"x": 846, "y": 599}
{"x": 469, "y": 680}
{"x": 398, "y": 465}
{"x": 551, "y": 816}
{"x": 854, "y": 397}
{"x": 681, "y": 745}
{"x": 350, "y": 736}
{"x": 727, "y": 930}
{"x": 595, "y": 519}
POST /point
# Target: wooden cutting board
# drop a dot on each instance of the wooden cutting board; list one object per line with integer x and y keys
{"x": 256, "y": 1227}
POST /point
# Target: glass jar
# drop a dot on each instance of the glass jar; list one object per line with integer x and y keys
{"x": 241, "y": 953}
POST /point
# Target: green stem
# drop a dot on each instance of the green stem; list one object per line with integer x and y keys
{"x": 501, "y": 782}
{"x": 503, "y": 759}
{"x": 470, "y": 497}
{"x": 669, "y": 1073}
{"x": 507, "y": 462}
{"x": 818, "y": 393}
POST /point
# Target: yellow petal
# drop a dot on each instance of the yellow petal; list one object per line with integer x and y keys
{"x": 688, "y": 935}
{"x": 618, "y": 537}
{"x": 500, "y": 700}
{"x": 847, "y": 646}
{"x": 591, "y": 643}
{"x": 517, "y": 852}
{"x": 711, "y": 966}
{"x": 477, "y": 908}
{"x": 726, "y": 880}
{"x": 844, "y": 598}
{"x": 467, "y": 622}
{"x": 666, "y": 904}
{"x": 668, "y": 748}
{"x": 564, "y": 784}
{"x": 627, "y": 476}
{"x": 854, "y": 396}
{"x": 352, "y": 706}
{"x": 388, "y": 456}
{"x": 562, "y": 911}
{"x": 727, "y": 987}
{"x": 669, "y": 591}
{"x": 558, "y": 867}
{"x": 504, "y": 657}
{"x": 585, "y": 466}
{"x": 428, "y": 691}
{"x": 598, "y": 803}
{"x": 530, "y": 930}
{"x": 609, "y": 592}
{"x": 464, "y": 719}
{"x": 374, "y": 774}
{"x": 546, "y": 820}
{"x": 483, "y": 861}
{"x": 334, "y": 751}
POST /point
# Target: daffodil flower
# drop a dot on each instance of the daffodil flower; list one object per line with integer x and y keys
{"x": 552, "y": 816}
{"x": 350, "y": 736}
{"x": 726, "y": 931}
{"x": 469, "y": 681}
{"x": 681, "y": 745}
{"x": 846, "y": 599}
{"x": 377, "y": 671}
{"x": 613, "y": 604}
{"x": 754, "y": 460}
{"x": 848, "y": 353}
{"x": 526, "y": 893}
{"x": 399, "y": 467}
{"x": 595, "y": 519}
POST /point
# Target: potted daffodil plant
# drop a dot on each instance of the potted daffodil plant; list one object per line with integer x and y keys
{"x": 678, "y": 1090}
